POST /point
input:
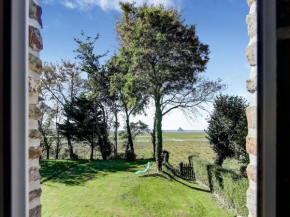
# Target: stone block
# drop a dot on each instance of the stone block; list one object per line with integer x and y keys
{"x": 34, "y": 153}
{"x": 252, "y": 172}
{"x": 35, "y": 12}
{"x": 34, "y": 134}
{"x": 251, "y": 113}
{"x": 251, "y": 20}
{"x": 251, "y": 53}
{"x": 34, "y": 174}
{"x": 35, "y": 64}
{"x": 35, "y": 194}
{"x": 34, "y": 112}
{"x": 251, "y": 85}
{"x": 34, "y": 86}
{"x": 33, "y": 98}
{"x": 252, "y": 202}
{"x": 35, "y": 39}
{"x": 251, "y": 145}
{"x": 35, "y": 212}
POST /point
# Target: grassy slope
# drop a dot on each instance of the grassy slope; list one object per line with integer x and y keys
{"x": 110, "y": 188}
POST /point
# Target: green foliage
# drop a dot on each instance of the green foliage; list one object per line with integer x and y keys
{"x": 168, "y": 56}
{"x": 227, "y": 128}
{"x": 137, "y": 128}
{"x": 86, "y": 123}
{"x": 127, "y": 89}
{"x": 229, "y": 185}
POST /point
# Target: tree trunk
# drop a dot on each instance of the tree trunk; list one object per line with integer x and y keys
{"x": 159, "y": 134}
{"x": 219, "y": 160}
{"x": 92, "y": 152}
{"x": 57, "y": 134}
{"x": 47, "y": 152}
{"x": 46, "y": 147}
{"x": 105, "y": 136}
{"x": 116, "y": 132}
{"x": 57, "y": 146}
{"x": 153, "y": 135}
{"x": 70, "y": 147}
{"x": 130, "y": 139}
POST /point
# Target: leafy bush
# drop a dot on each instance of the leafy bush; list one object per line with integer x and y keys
{"x": 229, "y": 185}
{"x": 130, "y": 156}
{"x": 228, "y": 128}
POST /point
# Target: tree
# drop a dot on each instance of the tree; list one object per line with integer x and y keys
{"x": 227, "y": 129}
{"x": 98, "y": 81}
{"x": 168, "y": 56}
{"x": 86, "y": 118}
{"x": 45, "y": 126}
{"x": 128, "y": 89}
{"x": 136, "y": 129}
{"x": 64, "y": 82}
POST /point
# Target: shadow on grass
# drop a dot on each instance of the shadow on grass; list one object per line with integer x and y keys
{"x": 95, "y": 170}
{"x": 193, "y": 188}
{"x": 153, "y": 175}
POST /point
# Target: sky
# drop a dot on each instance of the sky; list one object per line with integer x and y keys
{"x": 219, "y": 23}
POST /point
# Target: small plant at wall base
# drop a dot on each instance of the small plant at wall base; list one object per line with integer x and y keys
{"x": 227, "y": 129}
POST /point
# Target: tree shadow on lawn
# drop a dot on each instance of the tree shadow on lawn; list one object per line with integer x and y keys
{"x": 96, "y": 169}
{"x": 191, "y": 187}
{"x": 169, "y": 177}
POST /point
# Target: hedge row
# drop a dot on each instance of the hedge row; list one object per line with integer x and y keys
{"x": 229, "y": 185}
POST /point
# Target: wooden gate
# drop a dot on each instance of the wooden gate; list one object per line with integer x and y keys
{"x": 186, "y": 171}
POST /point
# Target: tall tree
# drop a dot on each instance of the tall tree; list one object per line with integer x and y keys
{"x": 64, "y": 82}
{"x": 227, "y": 129}
{"x": 167, "y": 55}
{"x": 128, "y": 89}
{"x": 98, "y": 81}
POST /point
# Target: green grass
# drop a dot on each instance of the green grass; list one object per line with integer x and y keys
{"x": 50, "y": 167}
{"x": 110, "y": 188}
{"x": 180, "y": 147}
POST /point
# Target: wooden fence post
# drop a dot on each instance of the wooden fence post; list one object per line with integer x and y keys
{"x": 181, "y": 169}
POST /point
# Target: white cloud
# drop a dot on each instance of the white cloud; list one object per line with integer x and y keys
{"x": 48, "y": 1}
{"x": 68, "y": 4}
{"x": 106, "y": 5}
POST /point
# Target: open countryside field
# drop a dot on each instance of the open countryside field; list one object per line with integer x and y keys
{"x": 181, "y": 145}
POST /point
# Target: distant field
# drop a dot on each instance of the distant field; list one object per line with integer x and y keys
{"x": 179, "y": 144}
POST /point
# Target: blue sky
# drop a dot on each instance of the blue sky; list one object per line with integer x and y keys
{"x": 220, "y": 24}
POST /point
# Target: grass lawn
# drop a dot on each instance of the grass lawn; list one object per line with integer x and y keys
{"x": 110, "y": 188}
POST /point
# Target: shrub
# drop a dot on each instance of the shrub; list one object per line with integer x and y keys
{"x": 130, "y": 156}
{"x": 227, "y": 184}
{"x": 227, "y": 129}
